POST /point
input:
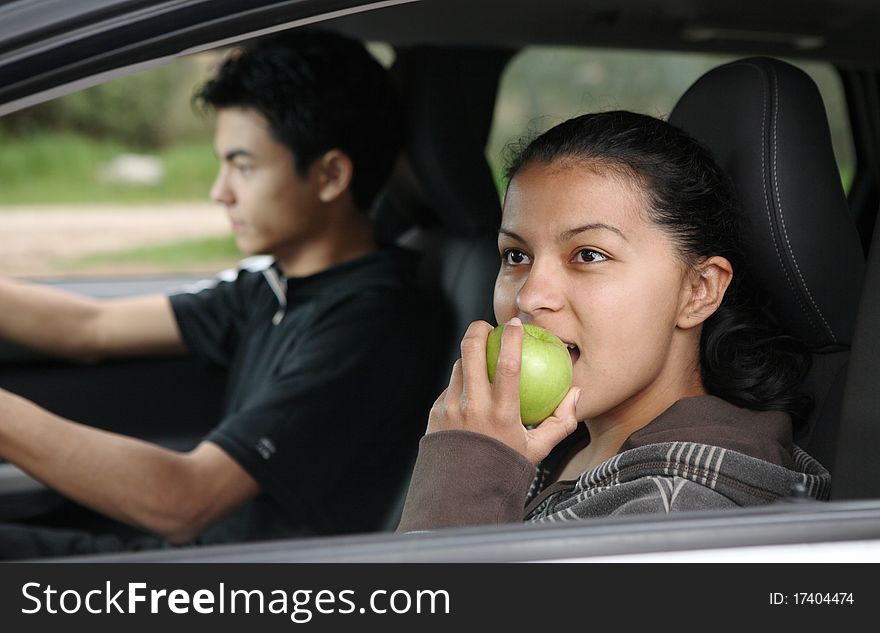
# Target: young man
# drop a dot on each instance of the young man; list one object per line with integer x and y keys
{"x": 327, "y": 395}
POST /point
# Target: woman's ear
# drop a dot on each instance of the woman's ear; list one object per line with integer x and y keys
{"x": 708, "y": 281}
{"x": 335, "y": 171}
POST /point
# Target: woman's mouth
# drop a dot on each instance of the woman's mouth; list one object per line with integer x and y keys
{"x": 574, "y": 351}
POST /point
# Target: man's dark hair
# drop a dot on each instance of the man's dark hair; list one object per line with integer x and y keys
{"x": 319, "y": 91}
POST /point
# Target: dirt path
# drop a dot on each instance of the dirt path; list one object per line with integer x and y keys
{"x": 33, "y": 239}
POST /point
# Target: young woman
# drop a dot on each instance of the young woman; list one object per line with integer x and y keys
{"x": 620, "y": 236}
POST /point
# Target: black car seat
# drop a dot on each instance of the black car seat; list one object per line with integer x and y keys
{"x": 441, "y": 199}
{"x": 765, "y": 122}
{"x": 857, "y": 475}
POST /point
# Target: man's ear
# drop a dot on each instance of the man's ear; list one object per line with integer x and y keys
{"x": 335, "y": 171}
{"x": 708, "y": 281}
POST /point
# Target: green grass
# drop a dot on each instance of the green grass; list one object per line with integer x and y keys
{"x": 63, "y": 168}
{"x": 177, "y": 256}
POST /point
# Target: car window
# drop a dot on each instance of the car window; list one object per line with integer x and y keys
{"x": 543, "y": 86}
{"x": 114, "y": 180}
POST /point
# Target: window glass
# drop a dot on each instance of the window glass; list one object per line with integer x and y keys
{"x": 114, "y": 180}
{"x": 544, "y": 86}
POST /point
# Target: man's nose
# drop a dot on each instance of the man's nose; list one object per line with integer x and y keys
{"x": 220, "y": 190}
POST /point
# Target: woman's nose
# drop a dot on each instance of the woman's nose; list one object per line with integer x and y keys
{"x": 543, "y": 290}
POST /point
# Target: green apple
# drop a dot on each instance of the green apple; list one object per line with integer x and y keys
{"x": 545, "y": 374}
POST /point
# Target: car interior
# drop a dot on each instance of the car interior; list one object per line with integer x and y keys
{"x": 762, "y": 116}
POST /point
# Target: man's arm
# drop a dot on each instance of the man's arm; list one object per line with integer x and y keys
{"x": 173, "y": 494}
{"x": 85, "y": 329}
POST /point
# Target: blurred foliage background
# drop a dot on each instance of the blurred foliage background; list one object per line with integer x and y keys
{"x": 147, "y": 110}
{"x": 545, "y": 86}
{"x": 58, "y": 151}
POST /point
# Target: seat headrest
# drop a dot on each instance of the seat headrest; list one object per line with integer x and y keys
{"x": 449, "y": 100}
{"x": 765, "y": 122}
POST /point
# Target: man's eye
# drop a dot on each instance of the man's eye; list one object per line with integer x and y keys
{"x": 244, "y": 168}
{"x": 514, "y": 257}
{"x": 589, "y": 256}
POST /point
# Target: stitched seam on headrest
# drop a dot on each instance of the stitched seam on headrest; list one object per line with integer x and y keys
{"x": 767, "y": 201}
{"x": 782, "y": 216}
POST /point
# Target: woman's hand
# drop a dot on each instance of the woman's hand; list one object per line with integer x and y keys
{"x": 472, "y": 403}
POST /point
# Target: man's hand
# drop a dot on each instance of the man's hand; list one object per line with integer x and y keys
{"x": 173, "y": 494}
{"x": 472, "y": 403}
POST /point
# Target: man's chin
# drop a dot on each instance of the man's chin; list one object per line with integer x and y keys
{"x": 247, "y": 248}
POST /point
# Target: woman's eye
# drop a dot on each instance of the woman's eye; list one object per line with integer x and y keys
{"x": 514, "y": 257}
{"x": 244, "y": 169}
{"x": 588, "y": 255}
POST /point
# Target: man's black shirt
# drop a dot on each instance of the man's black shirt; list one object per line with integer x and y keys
{"x": 331, "y": 378}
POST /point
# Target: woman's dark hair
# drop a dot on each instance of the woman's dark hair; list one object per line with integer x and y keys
{"x": 744, "y": 357}
{"x": 319, "y": 91}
